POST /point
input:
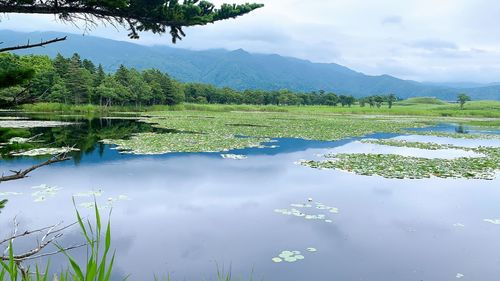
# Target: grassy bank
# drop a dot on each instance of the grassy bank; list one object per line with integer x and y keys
{"x": 416, "y": 106}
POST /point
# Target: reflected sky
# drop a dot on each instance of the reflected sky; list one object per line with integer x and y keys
{"x": 190, "y": 212}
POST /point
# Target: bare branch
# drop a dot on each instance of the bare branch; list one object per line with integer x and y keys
{"x": 24, "y": 173}
{"x": 28, "y": 45}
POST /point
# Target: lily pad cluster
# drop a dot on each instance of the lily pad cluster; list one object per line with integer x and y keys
{"x": 45, "y": 151}
{"x": 32, "y": 124}
{"x": 302, "y": 213}
{"x": 221, "y": 131}
{"x": 234, "y": 156}
{"x": 10, "y": 193}
{"x": 406, "y": 167}
{"x": 492, "y": 221}
{"x": 98, "y": 193}
{"x": 154, "y": 143}
{"x": 44, "y": 191}
{"x": 456, "y": 135}
{"x": 411, "y": 144}
{"x": 291, "y": 256}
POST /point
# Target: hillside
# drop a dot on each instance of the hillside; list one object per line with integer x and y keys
{"x": 239, "y": 69}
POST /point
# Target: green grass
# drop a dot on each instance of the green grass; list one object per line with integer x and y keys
{"x": 421, "y": 100}
{"x": 98, "y": 265}
{"x": 414, "y": 106}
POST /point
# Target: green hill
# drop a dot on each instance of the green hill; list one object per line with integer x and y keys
{"x": 240, "y": 69}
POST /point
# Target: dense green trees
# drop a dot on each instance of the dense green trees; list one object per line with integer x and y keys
{"x": 462, "y": 99}
{"x": 378, "y": 100}
{"x": 79, "y": 81}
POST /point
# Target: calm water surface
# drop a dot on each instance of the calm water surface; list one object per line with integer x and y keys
{"x": 188, "y": 213}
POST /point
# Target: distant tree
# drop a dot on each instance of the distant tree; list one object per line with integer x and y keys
{"x": 330, "y": 99}
{"x": 371, "y": 101}
{"x": 378, "y": 100}
{"x": 462, "y": 99}
{"x": 89, "y": 65}
{"x": 391, "y": 98}
{"x": 343, "y": 100}
{"x": 350, "y": 100}
{"x": 59, "y": 92}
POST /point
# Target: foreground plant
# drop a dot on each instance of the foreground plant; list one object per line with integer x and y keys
{"x": 97, "y": 266}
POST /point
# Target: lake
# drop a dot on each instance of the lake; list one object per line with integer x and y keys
{"x": 188, "y": 214}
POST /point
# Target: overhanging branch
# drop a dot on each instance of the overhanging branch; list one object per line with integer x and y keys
{"x": 29, "y": 45}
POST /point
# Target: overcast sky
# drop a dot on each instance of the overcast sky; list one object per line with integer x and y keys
{"x": 423, "y": 40}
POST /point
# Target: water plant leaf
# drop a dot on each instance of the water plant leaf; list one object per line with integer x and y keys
{"x": 277, "y": 260}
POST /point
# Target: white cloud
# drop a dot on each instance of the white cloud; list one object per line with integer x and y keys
{"x": 426, "y": 40}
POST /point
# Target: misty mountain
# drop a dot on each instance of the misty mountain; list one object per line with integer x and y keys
{"x": 241, "y": 70}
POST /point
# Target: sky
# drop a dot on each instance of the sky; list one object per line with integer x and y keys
{"x": 422, "y": 40}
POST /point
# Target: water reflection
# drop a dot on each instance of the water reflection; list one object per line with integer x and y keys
{"x": 190, "y": 211}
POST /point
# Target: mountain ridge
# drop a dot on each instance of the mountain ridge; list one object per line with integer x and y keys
{"x": 240, "y": 69}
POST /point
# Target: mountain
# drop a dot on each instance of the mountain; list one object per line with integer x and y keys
{"x": 239, "y": 69}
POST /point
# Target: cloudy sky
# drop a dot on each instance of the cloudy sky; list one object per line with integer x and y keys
{"x": 423, "y": 40}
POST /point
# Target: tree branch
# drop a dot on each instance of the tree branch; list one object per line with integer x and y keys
{"x": 28, "y": 45}
{"x": 24, "y": 173}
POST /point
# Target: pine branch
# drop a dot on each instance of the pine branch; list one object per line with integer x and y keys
{"x": 28, "y": 45}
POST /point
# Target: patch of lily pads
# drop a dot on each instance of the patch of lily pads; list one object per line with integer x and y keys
{"x": 45, "y": 151}
{"x": 155, "y": 143}
{"x": 234, "y": 156}
{"x": 109, "y": 202}
{"x": 411, "y": 144}
{"x": 291, "y": 256}
{"x": 44, "y": 192}
{"x": 305, "y": 211}
{"x": 407, "y": 167}
{"x": 278, "y": 124}
{"x": 457, "y": 135}
{"x": 32, "y": 124}
{"x": 492, "y": 221}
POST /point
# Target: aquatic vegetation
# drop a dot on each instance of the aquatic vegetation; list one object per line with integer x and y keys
{"x": 45, "y": 151}
{"x": 456, "y": 136}
{"x": 109, "y": 202}
{"x": 288, "y": 256}
{"x": 411, "y": 144}
{"x": 406, "y": 167}
{"x": 10, "y": 193}
{"x": 298, "y": 213}
{"x": 279, "y": 125}
{"x": 153, "y": 143}
{"x": 44, "y": 191}
{"x": 234, "y": 156}
{"x": 32, "y": 124}
{"x": 492, "y": 221}
{"x": 19, "y": 140}
{"x": 92, "y": 193}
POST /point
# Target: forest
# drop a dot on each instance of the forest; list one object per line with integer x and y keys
{"x": 75, "y": 80}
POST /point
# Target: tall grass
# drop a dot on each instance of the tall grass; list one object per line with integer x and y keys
{"x": 98, "y": 265}
{"x": 415, "y": 106}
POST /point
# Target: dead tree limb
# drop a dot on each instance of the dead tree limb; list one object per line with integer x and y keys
{"x": 29, "y": 45}
{"x": 24, "y": 173}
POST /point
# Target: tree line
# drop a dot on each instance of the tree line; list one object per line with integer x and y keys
{"x": 79, "y": 81}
